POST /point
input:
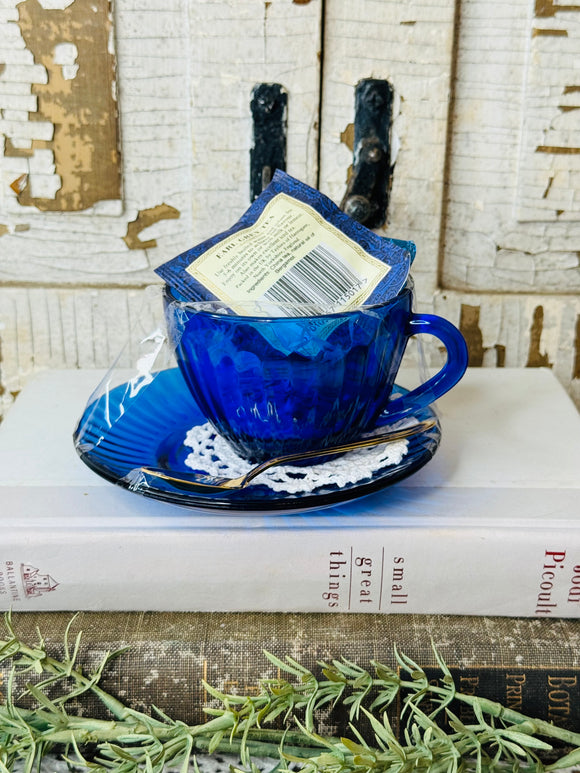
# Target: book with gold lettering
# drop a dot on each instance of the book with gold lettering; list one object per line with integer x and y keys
{"x": 489, "y": 526}
{"x": 530, "y": 665}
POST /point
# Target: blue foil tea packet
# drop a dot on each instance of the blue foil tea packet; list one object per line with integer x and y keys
{"x": 292, "y": 253}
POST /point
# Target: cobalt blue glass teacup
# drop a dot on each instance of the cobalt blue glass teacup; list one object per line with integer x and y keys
{"x": 274, "y": 385}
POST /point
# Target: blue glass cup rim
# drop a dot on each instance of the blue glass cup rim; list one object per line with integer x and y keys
{"x": 220, "y": 309}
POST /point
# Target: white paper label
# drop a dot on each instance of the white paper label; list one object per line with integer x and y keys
{"x": 291, "y": 256}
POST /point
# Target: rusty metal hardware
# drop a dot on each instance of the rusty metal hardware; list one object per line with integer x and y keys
{"x": 269, "y": 108}
{"x": 367, "y": 192}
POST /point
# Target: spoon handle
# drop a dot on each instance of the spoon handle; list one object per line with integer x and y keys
{"x": 195, "y": 480}
{"x": 368, "y": 442}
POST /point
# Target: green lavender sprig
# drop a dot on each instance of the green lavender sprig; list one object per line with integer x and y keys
{"x": 433, "y": 738}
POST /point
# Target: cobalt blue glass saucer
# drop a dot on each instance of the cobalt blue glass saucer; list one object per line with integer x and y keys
{"x": 124, "y": 429}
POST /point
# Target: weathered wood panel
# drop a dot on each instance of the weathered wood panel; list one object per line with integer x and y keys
{"x": 68, "y": 247}
{"x": 488, "y": 175}
{"x": 80, "y": 165}
{"x": 505, "y": 267}
{"x": 510, "y": 262}
{"x": 513, "y": 214}
{"x": 182, "y": 86}
{"x": 47, "y": 327}
{"x": 518, "y": 331}
{"x": 236, "y": 45}
{"x": 410, "y": 45}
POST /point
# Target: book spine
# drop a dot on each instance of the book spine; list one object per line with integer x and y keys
{"x": 531, "y": 666}
{"x": 396, "y": 570}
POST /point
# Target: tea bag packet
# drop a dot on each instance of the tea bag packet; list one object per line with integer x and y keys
{"x": 292, "y": 253}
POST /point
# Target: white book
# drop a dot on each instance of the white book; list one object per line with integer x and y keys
{"x": 490, "y": 526}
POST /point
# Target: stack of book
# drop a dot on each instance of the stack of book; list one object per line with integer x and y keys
{"x": 478, "y": 551}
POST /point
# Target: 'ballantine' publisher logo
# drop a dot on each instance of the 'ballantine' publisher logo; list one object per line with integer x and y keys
{"x": 34, "y": 582}
{"x": 20, "y": 582}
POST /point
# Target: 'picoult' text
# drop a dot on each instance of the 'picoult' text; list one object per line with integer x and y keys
{"x": 553, "y": 562}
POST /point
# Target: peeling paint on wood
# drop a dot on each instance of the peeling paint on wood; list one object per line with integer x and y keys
{"x": 469, "y": 326}
{"x": 548, "y": 128}
{"x": 542, "y": 31}
{"x": 514, "y": 169}
{"x": 144, "y": 219}
{"x": 153, "y": 45}
{"x": 347, "y": 136}
{"x": 10, "y": 150}
{"x": 375, "y": 40}
{"x": 185, "y": 129}
{"x": 186, "y": 73}
{"x": 19, "y": 184}
{"x": 71, "y": 328}
{"x": 547, "y": 8}
{"x": 13, "y": 228}
{"x": 500, "y": 353}
{"x": 535, "y": 358}
{"x": 547, "y": 189}
{"x": 512, "y": 327}
{"x": 576, "y": 370}
{"x": 2, "y": 388}
{"x": 81, "y": 164}
{"x": 172, "y": 98}
{"x": 231, "y": 51}
{"x": 564, "y": 151}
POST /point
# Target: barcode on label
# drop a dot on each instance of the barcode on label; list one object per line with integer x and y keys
{"x": 322, "y": 279}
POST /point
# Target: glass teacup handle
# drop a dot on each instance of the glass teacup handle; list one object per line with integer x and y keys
{"x": 451, "y": 372}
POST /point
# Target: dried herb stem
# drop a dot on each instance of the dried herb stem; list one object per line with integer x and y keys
{"x": 498, "y": 739}
{"x": 526, "y": 724}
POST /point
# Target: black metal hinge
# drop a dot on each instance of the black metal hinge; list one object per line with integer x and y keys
{"x": 367, "y": 192}
{"x": 269, "y": 111}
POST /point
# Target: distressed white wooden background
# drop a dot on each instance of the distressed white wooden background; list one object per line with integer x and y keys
{"x": 511, "y": 260}
{"x": 495, "y": 222}
{"x": 71, "y": 283}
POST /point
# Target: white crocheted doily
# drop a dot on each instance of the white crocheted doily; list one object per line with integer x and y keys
{"x": 213, "y": 455}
